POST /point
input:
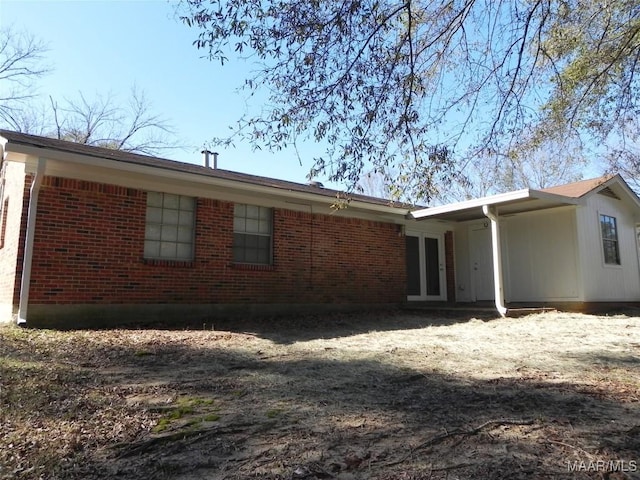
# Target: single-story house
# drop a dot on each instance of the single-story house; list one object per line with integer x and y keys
{"x": 93, "y": 236}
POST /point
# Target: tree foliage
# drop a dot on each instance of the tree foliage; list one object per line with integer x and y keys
{"x": 421, "y": 87}
{"x": 624, "y": 158}
{"x": 551, "y": 163}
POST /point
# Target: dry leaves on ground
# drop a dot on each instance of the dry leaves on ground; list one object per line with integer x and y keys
{"x": 370, "y": 396}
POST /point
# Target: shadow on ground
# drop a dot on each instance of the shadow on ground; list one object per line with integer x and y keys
{"x": 287, "y": 415}
{"x": 290, "y": 329}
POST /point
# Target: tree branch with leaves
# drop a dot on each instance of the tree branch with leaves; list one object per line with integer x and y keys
{"x": 423, "y": 87}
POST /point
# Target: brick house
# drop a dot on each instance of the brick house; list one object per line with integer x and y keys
{"x": 92, "y": 236}
{"x": 98, "y": 237}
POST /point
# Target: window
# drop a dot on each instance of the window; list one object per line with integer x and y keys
{"x": 169, "y": 227}
{"x": 610, "y": 240}
{"x": 252, "y": 230}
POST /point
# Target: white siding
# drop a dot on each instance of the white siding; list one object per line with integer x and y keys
{"x": 462, "y": 272}
{"x": 465, "y": 251}
{"x": 541, "y": 260}
{"x": 604, "y": 282}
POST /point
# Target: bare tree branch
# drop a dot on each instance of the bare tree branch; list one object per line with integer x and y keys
{"x": 21, "y": 64}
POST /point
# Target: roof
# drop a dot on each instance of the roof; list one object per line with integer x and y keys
{"x": 16, "y": 138}
{"x": 527, "y": 200}
{"x": 578, "y": 189}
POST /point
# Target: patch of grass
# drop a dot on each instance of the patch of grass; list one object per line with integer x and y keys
{"x": 179, "y": 412}
{"x": 212, "y": 417}
{"x": 193, "y": 422}
{"x": 143, "y": 353}
{"x": 185, "y": 407}
{"x": 195, "y": 401}
{"x": 162, "y": 425}
{"x": 274, "y": 412}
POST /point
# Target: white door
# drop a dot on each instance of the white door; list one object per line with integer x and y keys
{"x": 481, "y": 262}
{"x": 426, "y": 275}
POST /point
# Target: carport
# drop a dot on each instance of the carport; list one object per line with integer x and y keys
{"x": 494, "y": 208}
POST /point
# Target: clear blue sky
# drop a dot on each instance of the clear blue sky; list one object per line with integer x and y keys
{"x": 106, "y": 46}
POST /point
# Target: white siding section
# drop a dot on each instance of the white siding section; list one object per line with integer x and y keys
{"x": 466, "y": 252}
{"x": 463, "y": 273}
{"x": 541, "y": 260}
{"x": 604, "y": 282}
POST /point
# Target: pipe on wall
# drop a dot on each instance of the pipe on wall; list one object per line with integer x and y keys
{"x": 497, "y": 260}
{"x": 28, "y": 242}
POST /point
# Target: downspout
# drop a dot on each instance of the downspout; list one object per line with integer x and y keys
{"x": 28, "y": 242}
{"x": 497, "y": 260}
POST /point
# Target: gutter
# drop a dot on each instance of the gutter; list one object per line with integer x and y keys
{"x": 490, "y": 213}
{"x": 28, "y": 242}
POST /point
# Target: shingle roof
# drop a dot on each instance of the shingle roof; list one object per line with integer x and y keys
{"x": 134, "y": 158}
{"x": 578, "y": 189}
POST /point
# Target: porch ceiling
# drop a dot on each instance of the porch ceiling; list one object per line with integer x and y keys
{"x": 506, "y": 204}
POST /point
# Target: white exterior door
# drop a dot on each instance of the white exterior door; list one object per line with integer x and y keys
{"x": 426, "y": 275}
{"x": 481, "y": 262}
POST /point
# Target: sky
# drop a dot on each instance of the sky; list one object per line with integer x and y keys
{"x": 99, "y": 47}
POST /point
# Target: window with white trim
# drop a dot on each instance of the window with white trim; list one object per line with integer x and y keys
{"x": 252, "y": 234}
{"x": 169, "y": 230}
{"x": 610, "y": 247}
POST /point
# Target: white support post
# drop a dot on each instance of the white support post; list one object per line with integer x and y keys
{"x": 28, "y": 242}
{"x": 492, "y": 215}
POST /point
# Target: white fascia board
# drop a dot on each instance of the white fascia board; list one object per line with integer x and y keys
{"x": 474, "y": 203}
{"x": 508, "y": 197}
{"x": 554, "y": 197}
{"x": 29, "y": 155}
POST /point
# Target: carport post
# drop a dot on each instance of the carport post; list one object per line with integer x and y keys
{"x": 492, "y": 215}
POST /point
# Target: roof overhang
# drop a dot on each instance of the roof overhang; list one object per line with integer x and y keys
{"x": 504, "y": 204}
{"x": 129, "y": 173}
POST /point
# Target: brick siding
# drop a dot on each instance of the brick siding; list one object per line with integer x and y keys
{"x": 89, "y": 243}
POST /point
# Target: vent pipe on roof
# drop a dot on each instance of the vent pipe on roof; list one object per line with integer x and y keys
{"x": 206, "y": 155}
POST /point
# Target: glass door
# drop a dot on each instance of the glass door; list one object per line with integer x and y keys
{"x": 425, "y": 266}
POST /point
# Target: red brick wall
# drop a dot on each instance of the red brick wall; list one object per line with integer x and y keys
{"x": 89, "y": 242}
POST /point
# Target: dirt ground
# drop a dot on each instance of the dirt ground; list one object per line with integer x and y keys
{"x": 400, "y": 396}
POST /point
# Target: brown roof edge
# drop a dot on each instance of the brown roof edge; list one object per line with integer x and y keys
{"x": 578, "y": 189}
{"x": 156, "y": 162}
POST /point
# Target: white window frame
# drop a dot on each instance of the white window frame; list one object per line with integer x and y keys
{"x": 170, "y": 227}
{"x": 442, "y": 274}
{"x": 252, "y": 224}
